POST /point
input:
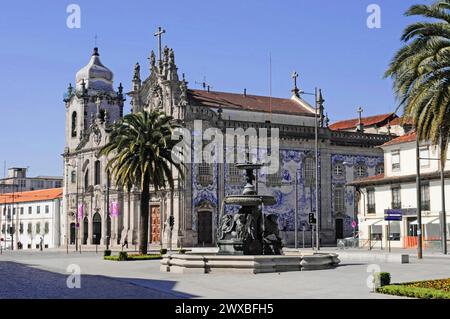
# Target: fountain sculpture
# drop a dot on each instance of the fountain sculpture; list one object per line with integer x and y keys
{"x": 249, "y": 231}
{"x": 247, "y": 241}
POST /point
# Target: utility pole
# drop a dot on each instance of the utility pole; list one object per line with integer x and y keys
{"x": 319, "y": 101}
{"x": 296, "y": 211}
{"x": 419, "y": 200}
{"x": 443, "y": 212}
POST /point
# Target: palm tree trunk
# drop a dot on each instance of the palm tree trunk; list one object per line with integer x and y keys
{"x": 143, "y": 223}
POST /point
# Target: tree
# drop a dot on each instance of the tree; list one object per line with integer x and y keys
{"x": 140, "y": 155}
{"x": 421, "y": 72}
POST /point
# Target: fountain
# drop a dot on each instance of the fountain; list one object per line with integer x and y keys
{"x": 249, "y": 232}
{"x": 248, "y": 241}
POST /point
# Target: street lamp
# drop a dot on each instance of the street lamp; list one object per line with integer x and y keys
{"x": 318, "y": 104}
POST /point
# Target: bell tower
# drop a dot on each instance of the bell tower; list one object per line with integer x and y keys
{"x": 92, "y": 97}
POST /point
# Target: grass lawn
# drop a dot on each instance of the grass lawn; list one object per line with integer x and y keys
{"x": 428, "y": 289}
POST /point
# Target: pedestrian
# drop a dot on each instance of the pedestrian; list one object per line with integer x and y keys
{"x": 40, "y": 243}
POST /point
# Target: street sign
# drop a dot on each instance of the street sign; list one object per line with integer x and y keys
{"x": 393, "y": 214}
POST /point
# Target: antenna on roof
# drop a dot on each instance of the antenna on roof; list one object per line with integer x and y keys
{"x": 270, "y": 86}
{"x": 206, "y": 86}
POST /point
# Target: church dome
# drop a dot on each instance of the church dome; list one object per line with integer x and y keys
{"x": 96, "y": 76}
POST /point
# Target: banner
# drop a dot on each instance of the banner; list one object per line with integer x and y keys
{"x": 114, "y": 209}
{"x": 80, "y": 212}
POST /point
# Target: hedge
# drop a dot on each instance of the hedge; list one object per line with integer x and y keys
{"x": 427, "y": 289}
{"x": 414, "y": 292}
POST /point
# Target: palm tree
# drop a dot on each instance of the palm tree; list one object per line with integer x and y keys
{"x": 140, "y": 154}
{"x": 421, "y": 72}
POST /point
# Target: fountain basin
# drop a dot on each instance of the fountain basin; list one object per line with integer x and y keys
{"x": 201, "y": 263}
{"x": 250, "y": 200}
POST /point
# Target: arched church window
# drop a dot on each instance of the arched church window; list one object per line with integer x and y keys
{"x": 86, "y": 180}
{"x": 74, "y": 124}
{"x": 73, "y": 177}
{"x": 309, "y": 171}
{"x": 97, "y": 175}
{"x": 339, "y": 199}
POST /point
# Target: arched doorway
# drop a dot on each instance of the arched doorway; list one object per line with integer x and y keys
{"x": 72, "y": 233}
{"x": 155, "y": 224}
{"x": 204, "y": 227}
{"x": 96, "y": 229}
{"x": 85, "y": 230}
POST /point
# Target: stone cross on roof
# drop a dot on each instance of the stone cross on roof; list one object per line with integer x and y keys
{"x": 159, "y": 34}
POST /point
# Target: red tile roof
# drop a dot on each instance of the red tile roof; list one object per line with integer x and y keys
{"x": 31, "y": 196}
{"x": 248, "y": 102}
{"x": 409, "y": 137}
{"x": 398, "y": 121}
{"x": 379, "y": 120}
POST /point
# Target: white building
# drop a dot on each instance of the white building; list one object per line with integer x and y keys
{"x": 18, "y": 181}
{"x": 395, "y": 189}
{"x": 33, "y": 215}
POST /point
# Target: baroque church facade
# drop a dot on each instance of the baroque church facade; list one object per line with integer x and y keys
{"x": 96, "y": 211}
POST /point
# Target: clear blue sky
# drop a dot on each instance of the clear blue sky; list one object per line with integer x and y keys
{"x": 326, "y": 41}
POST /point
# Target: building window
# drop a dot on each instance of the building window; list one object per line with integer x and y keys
{"x": 74, "y": 124}
{"x": 38, "y": 228}
{"x": 14, "y": 211}
{"x": 379, "y": 169}
{"x": 425, "y": 193}
{"x": 3, "y": 228}
{"x": 234, "y": 174}
{"x": 338, "y": 169}
{"x": 47, "y": 209}
{"x": 339, "y": 199}
{"x": 58, "y": 184}
{"x": 361, "y": 170}
{"x": 86, "y": 180}
{"x": 38, "y": 209}
{"x": 371, "y": 201}
{"x": 395, "y": 157}
{"x": 275, "y": 180}
{"x": 30, "y": 210}
{"x": 73, "y": 177}
{"x": 46, "y": 228}
{"x": 394, "y": 231}
{"x": 205, "y": 176}
{"x": 97, "y": 171}
{"x": 309, "y": 171}
{"x": 396, "y": 198}
{"x": 424, "y": 156}
{"x": 21, "y": 228}
{"x": 29, "y": 228}
{"x": 21, "y": 210}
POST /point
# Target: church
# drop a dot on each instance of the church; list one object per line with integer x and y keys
{"x": 98, "y": 212}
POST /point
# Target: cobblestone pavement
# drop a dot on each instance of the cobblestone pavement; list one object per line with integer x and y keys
{"x": 36, "y": 274}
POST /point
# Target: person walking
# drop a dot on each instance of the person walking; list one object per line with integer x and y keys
{"x": 40, "y": 243}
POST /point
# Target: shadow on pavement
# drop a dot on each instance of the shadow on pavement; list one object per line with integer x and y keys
{"x": 19, "y": 281}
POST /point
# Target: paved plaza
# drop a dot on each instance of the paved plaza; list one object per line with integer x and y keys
{"x": 44, "y": 275}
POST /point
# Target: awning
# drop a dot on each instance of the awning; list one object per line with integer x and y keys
{"x": 371, "y": 222}
{"x": 426, "y": 220}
